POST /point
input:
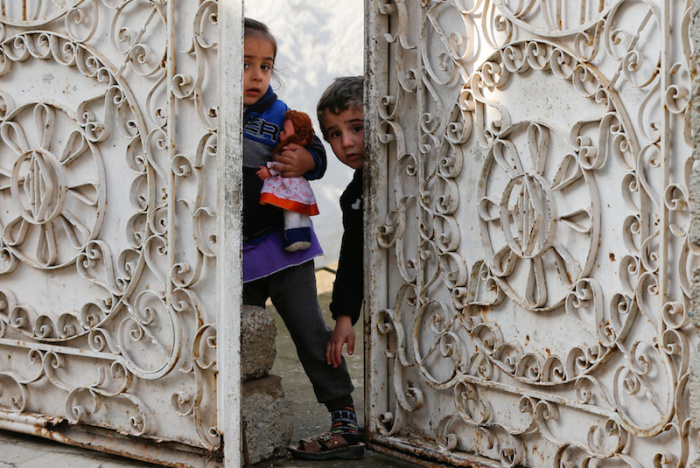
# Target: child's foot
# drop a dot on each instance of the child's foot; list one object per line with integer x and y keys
{"x": 327, "y": 446}
{"x": 342, "y": 442}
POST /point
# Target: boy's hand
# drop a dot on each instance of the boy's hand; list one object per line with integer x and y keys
{"x": 342, "y": 333}
{"x": 294, "y": 161}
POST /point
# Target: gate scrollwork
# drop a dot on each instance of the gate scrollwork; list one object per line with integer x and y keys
{"x": 537, "y": 232}
{"x": 108, "y": 140}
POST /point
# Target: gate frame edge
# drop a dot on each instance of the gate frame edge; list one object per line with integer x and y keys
{"x": 375, "y": 172}
{"x": 228, "y": 259}
{"x": 694, "y": 195}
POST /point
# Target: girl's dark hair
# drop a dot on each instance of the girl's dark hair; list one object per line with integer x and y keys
{"x": 251, "y": 26}
{"x": 343, "y": 93}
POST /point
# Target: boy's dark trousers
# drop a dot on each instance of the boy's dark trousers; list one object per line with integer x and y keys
{"x": 293, "y": 293}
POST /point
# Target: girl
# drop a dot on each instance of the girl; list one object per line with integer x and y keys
{"x": 269, "y": 271}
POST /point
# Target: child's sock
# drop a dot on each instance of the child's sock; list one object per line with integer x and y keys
{"x": 345, "y": 424}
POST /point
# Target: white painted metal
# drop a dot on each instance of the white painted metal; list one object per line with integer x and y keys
{"x": 229, "y": 274}
{"x": 119, "y": 258}
{"x": 530, "y": 276}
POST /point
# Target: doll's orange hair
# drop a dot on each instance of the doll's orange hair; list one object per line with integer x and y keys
{"x": 303, "y": 129}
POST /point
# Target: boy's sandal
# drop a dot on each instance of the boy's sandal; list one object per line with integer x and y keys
{"x": 327, "y": 446}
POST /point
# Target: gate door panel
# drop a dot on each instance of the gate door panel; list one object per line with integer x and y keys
{"x": 531, "y": 266}
{"x": 108, "y": 141}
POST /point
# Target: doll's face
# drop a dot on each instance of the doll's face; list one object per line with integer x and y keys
{"x": 287, "y": 130}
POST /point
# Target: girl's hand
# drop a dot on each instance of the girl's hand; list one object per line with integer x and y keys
{"x": 294, "y": 161}
{"x": 342, "y": 333}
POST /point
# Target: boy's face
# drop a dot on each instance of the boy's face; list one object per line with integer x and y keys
{"x": 258, "y": 60}
{"x": 346, "y": 135}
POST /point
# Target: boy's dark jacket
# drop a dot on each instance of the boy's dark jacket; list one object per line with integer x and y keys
{"x": 348, "y": 289}
{"x": 262, "y": 122}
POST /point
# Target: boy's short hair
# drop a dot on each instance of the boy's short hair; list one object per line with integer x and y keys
{"x": 343, "y": 93}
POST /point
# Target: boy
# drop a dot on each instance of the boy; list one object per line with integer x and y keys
{"x": 341, "y": 118}
{"x": 340, "y": 115}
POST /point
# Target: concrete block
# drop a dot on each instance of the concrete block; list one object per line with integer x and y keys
{"x": 267, "y": 415}
{"x": 258, "y": 333}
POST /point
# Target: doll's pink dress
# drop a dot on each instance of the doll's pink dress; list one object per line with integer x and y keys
{"x": 289, "y": 193}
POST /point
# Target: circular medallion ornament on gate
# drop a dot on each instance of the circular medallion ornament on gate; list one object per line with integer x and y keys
{"x": 539, "y": 218}
{"x": 70, "y": 108}
{"x": 51, "y": 185}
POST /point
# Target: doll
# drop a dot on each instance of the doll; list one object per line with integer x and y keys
{"x": 293, "y": 194}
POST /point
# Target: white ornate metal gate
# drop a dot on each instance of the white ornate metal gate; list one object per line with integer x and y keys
{"x": 109, "y": 216}
{"x": 531, "y": 265}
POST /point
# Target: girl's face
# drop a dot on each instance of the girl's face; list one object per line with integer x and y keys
{"x": 258, "y": 60}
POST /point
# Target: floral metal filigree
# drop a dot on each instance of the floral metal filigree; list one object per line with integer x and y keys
{"x": 536, "y": 228}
